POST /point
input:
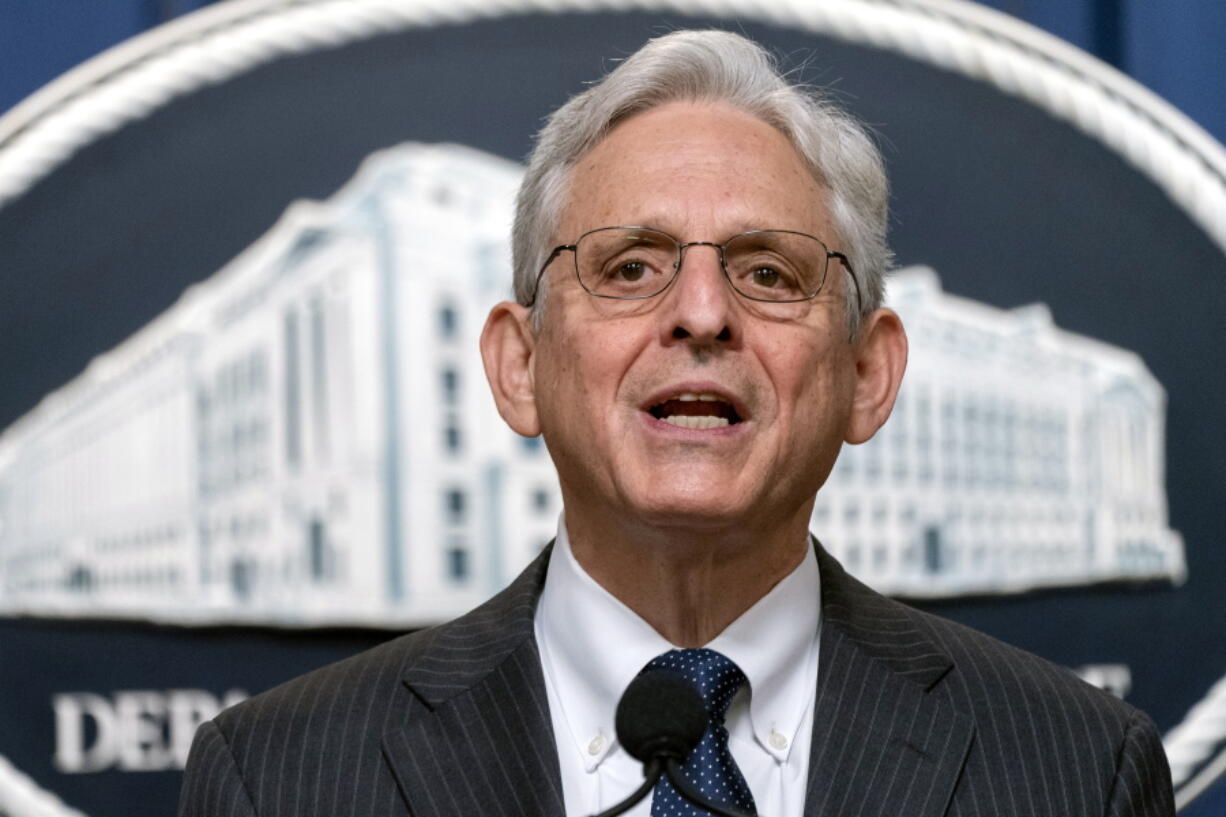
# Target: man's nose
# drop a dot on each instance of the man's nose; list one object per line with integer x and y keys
{"x": 701, "y": 307}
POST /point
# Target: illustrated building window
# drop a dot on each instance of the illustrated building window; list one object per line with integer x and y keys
{"x": 845, "y": 465}
{"x": 293, "y": 391}
{"x": 238, "y": 439}
{"x": 949, "y": 442}
{"x": 258, "y": 372}
{"x": 317, "y": 545}
{"x": 457, "y": 561}
{"x": 899, "y": 443}
{"x": 452, "y": 439}
{"x": 932, "y": 549}
{"x": 242, "y": 578}
{"x": 448, "y": 322}
{"x": 540, "y": 500}
{"x": 1031, "y": 442}
{"x": 1061, "y": 454}
{"x": 80, "y": 579}
{"x": 1009, "y": 446}
{"x": 923, "y": 436}
{"x": 455, "y": 502}
{"x": 872, "y": 458}
{"x": 451, "y": 386}
{"x": 319, "y": 376}
{"x": 971, "y": 447}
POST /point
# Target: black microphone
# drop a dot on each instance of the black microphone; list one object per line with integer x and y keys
{"x": 660, "y": 715}
{"x": 660, "y": 719}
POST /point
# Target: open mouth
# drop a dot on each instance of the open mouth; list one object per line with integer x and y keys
{"x": 690, "y": 410}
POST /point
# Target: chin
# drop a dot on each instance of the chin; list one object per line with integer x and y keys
{"x": 706, "y": 512}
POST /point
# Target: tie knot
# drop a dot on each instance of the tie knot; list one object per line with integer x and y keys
{"x": 716, "y": 676}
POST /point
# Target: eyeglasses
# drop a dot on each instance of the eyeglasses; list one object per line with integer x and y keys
{"x": 635, "y": 263}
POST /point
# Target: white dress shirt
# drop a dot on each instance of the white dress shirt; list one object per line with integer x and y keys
{"x": 592, "y": 646}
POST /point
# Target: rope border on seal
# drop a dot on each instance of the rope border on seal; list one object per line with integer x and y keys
{"x": 1196, "y": 748}
{"x": 219, "y": 42}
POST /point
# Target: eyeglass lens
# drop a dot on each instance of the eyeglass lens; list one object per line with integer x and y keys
{"x": 765, "y": 265}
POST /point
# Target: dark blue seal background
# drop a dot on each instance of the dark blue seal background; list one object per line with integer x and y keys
{"x": 1009, "y": 205}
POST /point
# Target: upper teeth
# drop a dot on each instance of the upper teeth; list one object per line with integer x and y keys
{"x": 696, "y": 422}
{"x": 689, "y": 397}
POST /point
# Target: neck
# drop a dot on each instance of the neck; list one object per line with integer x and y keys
{"x": 689, "y": 585}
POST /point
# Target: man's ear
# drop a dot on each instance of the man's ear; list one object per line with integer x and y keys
{"x": 881, "y": 356}
{"x": 507, "y": 347}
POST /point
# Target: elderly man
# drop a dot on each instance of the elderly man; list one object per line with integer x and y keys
{"x": 699, "y": 253}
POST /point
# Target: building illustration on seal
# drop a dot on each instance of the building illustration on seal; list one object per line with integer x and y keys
{"x": 306, "y": 437}
{"x": 1018, "y": 455}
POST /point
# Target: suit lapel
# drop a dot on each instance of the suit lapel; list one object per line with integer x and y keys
{"x": 479, "y": 739}
{"x": 883, "y": 743}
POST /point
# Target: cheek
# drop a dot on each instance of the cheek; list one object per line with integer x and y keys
{"x": 815, "y": 381}
{"x": 581, "y": 370}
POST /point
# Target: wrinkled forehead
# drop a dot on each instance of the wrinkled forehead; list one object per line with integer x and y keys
{"x": 689, "y": 165}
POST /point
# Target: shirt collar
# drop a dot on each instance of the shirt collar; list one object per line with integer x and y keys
{"x": 592, "y": 646}
{"x": 775, "y": 645}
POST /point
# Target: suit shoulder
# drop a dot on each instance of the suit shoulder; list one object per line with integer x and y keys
{"x": 973, "y": 668}
{"x": 326, "y": 727}
{"x": 369, "y": 687}
{"x": 1040, "y": 740}
{"x": 1017, "y": 678}
{"x": 1079, "y": 747}
{"x": 333, "y": 690}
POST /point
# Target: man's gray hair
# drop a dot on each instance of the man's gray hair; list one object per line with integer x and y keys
{"x": 711, "y": 66}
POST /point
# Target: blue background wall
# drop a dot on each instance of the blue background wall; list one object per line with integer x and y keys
{"x": 1174, "y": 47}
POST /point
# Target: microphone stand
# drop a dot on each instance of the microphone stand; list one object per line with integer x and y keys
{"x": 658, "y": 766}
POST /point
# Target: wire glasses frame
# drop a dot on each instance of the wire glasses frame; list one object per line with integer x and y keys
{"x": 635, "y": 251}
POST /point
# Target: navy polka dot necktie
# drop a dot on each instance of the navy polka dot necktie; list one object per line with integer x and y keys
{"x": 710, "y": 767}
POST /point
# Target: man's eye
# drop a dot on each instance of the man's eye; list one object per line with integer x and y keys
{"x": 630, "y": 271}
{"x": 766, "y": 277}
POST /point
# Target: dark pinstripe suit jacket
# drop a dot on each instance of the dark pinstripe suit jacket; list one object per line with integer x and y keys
{"x": 916, "y": 717}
